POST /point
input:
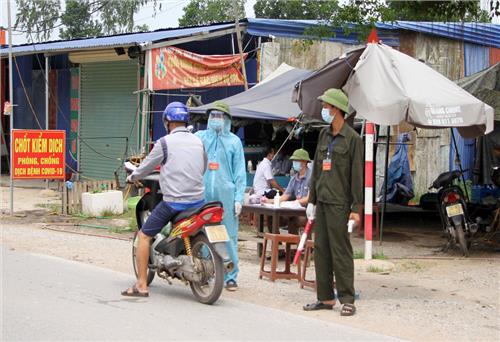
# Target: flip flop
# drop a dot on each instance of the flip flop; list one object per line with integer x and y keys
{"x": 318, "y": 306}
{"x": 348, "y": 310}
{"x": 135, "y": 293}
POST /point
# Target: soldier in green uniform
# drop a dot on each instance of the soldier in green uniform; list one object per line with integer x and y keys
{"x": 335, "y": 193}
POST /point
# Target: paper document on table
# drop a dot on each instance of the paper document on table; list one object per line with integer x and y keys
{"x": 291, "y": 205}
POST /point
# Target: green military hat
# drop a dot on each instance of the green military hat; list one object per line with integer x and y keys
{"x": 220, "y": 106}
{"x": 336, "y": 98}
{"x": 300, "y": 154}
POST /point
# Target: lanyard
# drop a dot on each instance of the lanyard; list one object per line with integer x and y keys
{"x": 330, "y": 146}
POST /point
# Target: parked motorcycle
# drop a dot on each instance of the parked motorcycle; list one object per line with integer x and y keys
{"x": 192, "y": 248}
{"x": 452, "y": 208}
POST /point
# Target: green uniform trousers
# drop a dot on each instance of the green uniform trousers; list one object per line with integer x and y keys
{"x": 333, "y": 253}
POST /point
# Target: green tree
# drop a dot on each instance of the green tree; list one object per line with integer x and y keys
{"x": 295, "y": 9}
{"x": 360, "y": 16}
{"x": 38, "y": 18}
{"x": 77, "y": 21}
{"x": 204, "y": 12}
{"x": 447, "y": 11}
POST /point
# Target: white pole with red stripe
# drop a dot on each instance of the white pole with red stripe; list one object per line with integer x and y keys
{"x": 369, "y": 139}
{"x": 368, "y": 219}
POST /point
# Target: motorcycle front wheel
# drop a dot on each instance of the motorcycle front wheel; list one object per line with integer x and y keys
{"x": 151, "y": 274}
{"x": 209, "y": 289}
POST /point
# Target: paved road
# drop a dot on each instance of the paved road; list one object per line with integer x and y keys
{"x": 47, "y": 298}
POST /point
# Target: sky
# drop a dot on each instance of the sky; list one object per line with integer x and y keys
{"x": 169, "y": 15}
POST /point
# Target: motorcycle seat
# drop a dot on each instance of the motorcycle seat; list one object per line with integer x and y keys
{"x": 445, "y": 178}
{"x": 193, "y": 211}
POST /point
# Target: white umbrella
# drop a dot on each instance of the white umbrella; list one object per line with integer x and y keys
{"x": 388, "y": 87}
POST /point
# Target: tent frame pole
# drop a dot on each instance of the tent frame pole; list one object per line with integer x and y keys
{"x": 386, "y": 171}
{"x": 459, "y": 164}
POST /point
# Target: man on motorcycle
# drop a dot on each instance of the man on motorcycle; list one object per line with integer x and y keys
{"x": 183, "y": 162}
{"x": 225, "y": 179}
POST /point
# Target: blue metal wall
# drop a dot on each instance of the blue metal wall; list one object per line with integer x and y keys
{"x": 23, "y": 116}
{"x": 30, "y": 69}
{"x": 476, "y": 58}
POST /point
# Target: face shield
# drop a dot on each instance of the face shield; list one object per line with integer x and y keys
{"x": 216, "y": 120}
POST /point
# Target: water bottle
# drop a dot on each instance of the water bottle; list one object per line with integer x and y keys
{"x": 249, "y": 166}
{"x": 277, "y": 199}
{"x": 350, "y": 226}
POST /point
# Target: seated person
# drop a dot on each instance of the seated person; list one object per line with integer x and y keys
{"x": 264, "y": 182}
{"x": 298, "y": 187}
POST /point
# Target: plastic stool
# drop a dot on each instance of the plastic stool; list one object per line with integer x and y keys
{"x": 273, "y": 274}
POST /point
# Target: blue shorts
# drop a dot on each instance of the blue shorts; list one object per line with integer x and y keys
{"x": 162, "y": 214}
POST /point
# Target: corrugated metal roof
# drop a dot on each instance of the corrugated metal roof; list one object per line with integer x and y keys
{"x": 295, "y": 29}
{"x": 114, "y": 41}
{"x": 477, "y": 33}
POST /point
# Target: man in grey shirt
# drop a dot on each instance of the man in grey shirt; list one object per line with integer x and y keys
{"x": 183, "y": 162}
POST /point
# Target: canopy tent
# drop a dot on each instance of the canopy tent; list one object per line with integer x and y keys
{"x": 388, "y": 87}
{"x": 485, "y": 85}
{"x": 269, "y": 100}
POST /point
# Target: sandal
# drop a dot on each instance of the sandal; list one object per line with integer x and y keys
{"x": 348, "y": 310}
{"x": 135, "y": 292}
{"x": 318, "y": 306}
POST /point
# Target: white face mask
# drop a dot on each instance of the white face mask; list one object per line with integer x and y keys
{"x": 325, "y": 114}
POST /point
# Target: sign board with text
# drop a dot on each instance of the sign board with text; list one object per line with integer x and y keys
{"x": 174, "y": 68}
{"x": 38, "y": 154}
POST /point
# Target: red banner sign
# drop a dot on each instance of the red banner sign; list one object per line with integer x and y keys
{"x": 174, "y": 68}
{"x": 38, "y": 154}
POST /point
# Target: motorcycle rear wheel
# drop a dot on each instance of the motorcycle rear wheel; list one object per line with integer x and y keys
{"x": 151, "y": 273}
{"x": 210, "y": 288}
{"x": 460, "y": 235}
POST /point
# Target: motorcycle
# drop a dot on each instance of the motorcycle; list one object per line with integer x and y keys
{"x": 452, "y": 208}
{"x": 191, "y": 248}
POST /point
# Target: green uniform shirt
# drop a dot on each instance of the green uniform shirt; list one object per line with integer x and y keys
{"x": 343, "y": 183}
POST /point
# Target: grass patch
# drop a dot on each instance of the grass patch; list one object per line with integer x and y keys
{"x": 358, "y": 255}
{"x": 361, "y": 255}
{"x": 53, "y": 208}
{"x": 106, "y": 213}
{"x": 132, "y": 221}
{"x": 380, "y": 256}
{"x": 374, "y": 269}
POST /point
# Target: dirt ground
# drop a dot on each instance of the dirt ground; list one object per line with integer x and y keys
{"x": 416, "y": 293}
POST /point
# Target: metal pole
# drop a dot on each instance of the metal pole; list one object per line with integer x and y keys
{"x": 240, "y": 45}
{"x": 459, "y": 164}
{"x": 46, "y": 92}
{"x": 1, "y": 119}
{"x": 47, "y": 102}
{"x": 11, "y": 98}
{"x": 370, "y": 132}
{"x": 145, "y": 99}
{"x": 386, "y": 168}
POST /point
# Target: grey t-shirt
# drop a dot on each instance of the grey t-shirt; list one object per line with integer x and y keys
{"x": 181, "y": 174}
{"x": 299, "y": 187}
